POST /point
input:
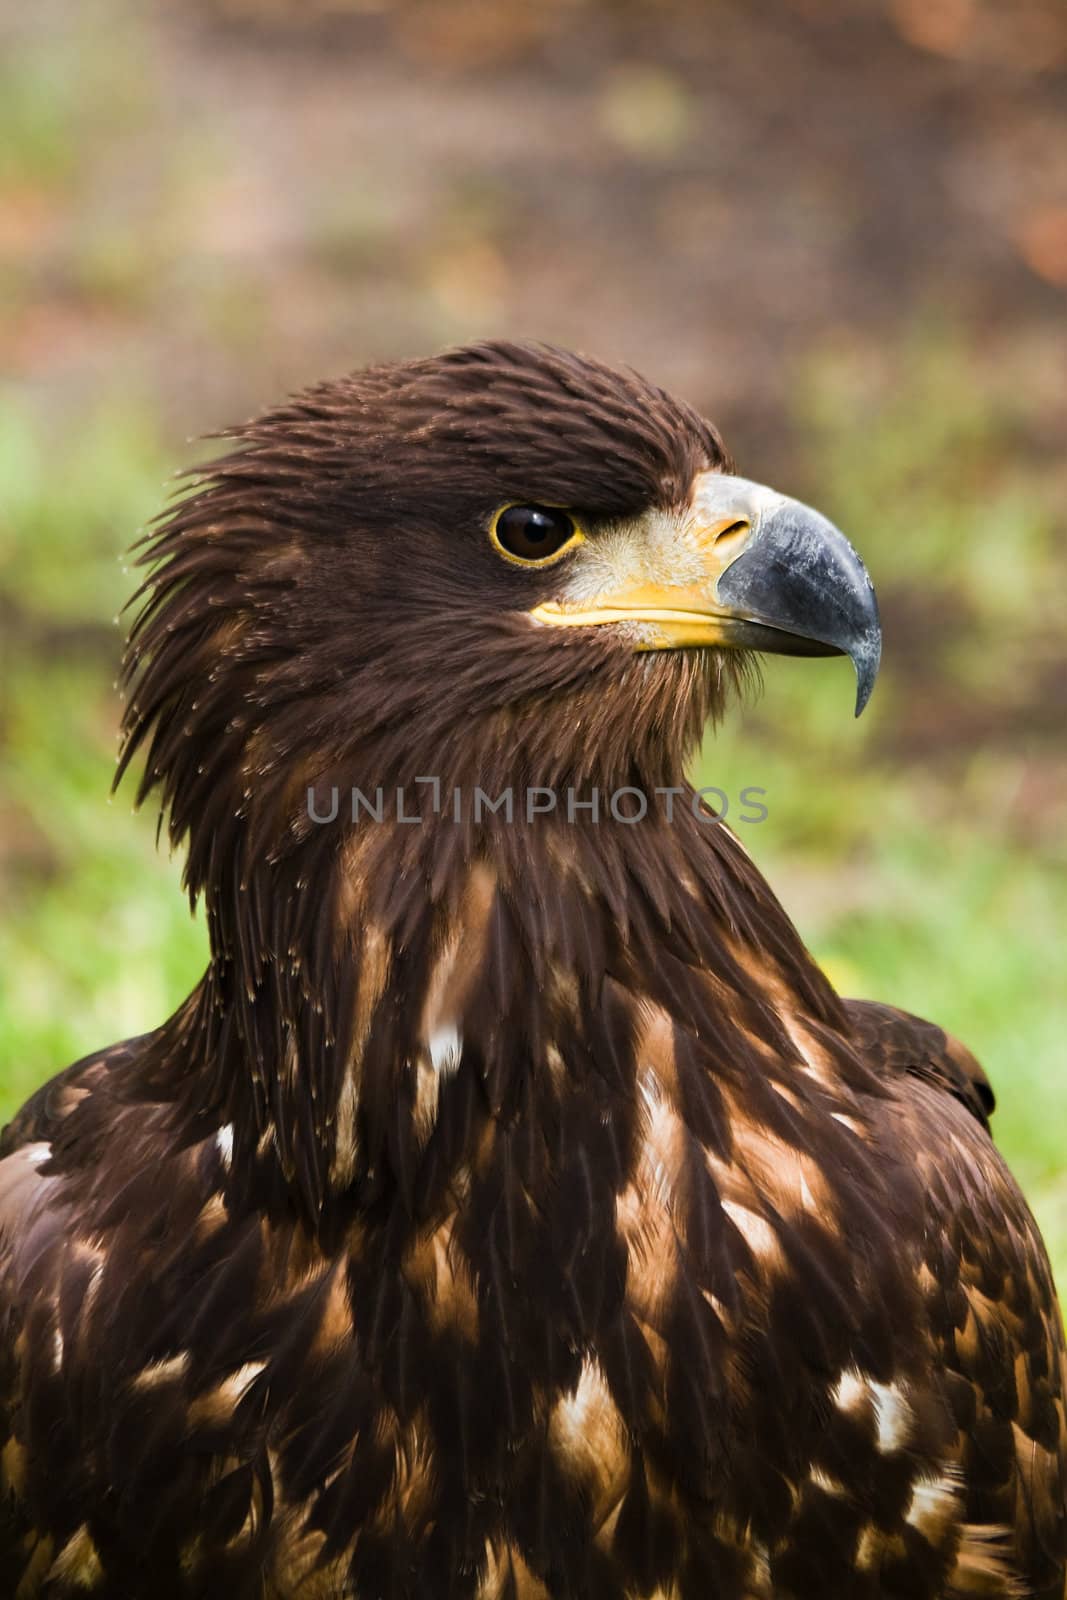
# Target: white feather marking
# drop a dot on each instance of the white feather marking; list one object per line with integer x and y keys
{"x": 446, "y": 1047}
{"x": 932, "y": 1500}
{"x": 574, "y": 1411}
{"x": 851, "y": 1390}
{"x": 822, "y": 1480}
{"x": 662, "y": 1130}
{"x": 167, "y": 1371}
{"x": 893, "y": 1415}
{"x": 224, "y": 1142}
{"x": 235, "y": 1385}
{"x": 756, "y": 1230}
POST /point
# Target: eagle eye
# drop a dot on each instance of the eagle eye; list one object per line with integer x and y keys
{"x": 534, "y": 536}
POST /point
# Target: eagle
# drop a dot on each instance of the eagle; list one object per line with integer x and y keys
{"x": 513, "y": 1211}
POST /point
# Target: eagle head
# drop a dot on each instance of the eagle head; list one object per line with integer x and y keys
{"x": 507, "y": 560}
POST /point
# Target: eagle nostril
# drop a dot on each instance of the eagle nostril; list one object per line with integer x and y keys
{"x": 732, "y": 535}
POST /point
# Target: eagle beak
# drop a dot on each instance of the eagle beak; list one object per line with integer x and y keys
{"x": 749, "y": 569}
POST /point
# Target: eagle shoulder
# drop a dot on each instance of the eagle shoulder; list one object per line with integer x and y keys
{"x": 42, "y": 1118}
{"x": 901, "y": 1045}
{"x": 994, "y": 1328}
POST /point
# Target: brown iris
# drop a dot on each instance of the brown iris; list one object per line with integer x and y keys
{"x": 534, "y": 535}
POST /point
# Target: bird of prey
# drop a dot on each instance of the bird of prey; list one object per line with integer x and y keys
{"x": 513, "y": 1211}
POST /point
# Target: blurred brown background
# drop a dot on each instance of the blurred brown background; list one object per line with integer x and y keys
{"x": 217, "y": 201}
{"x": 840, "y": 229}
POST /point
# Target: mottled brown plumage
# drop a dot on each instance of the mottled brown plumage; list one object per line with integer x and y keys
{"x": 514, "y": 1211}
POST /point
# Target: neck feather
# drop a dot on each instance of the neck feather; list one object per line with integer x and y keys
{"x": 378, "y": 992}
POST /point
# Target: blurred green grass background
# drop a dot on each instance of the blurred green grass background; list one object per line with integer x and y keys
{"x": 863, "y": 284}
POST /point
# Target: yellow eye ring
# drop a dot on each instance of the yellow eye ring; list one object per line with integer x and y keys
{"x": 534, "y": 535}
